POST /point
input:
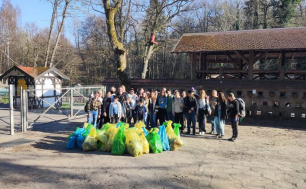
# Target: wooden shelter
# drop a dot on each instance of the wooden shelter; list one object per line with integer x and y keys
{"x": 243, "y": 49}
{"x": 45, "y": 83}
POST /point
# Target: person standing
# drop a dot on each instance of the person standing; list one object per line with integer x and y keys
{"x": 94, "y": 110}
{"x": 183, "y": 96}
{"x": 203, "y": 110}
{"x": 106, "y": 103}
{"x": 161, "y": 106}
{"x": 126, "y": 110}
{"x": 101, "y": 100}
{"x": 146, "y": 104}
{"x": 120, "y": 95}
{"x": 152, "y": 109}
{"x": 92, "y": 95}
{"x": 141, "y": 110}
{"x": 140, "y": 93}
{"x": 134, "y": 100}
{"x": 177, "y": 110}
{"x": 191, "y": 108}
{"x": 233, "y": 115}
{"x": 213, "y": 102}
{"x": 115, "y": 110}
{"x": 220, "y": 115}
{"x": 169, "y": 106}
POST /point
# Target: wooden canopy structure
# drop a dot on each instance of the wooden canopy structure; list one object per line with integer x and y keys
{"x": 243, "y": 49}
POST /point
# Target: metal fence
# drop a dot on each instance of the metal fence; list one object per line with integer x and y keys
{"x": 41, "y": 107}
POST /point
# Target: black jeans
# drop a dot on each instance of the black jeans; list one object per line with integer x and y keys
{"x": 134, "y": 117}
{"x": 115, "y": 118}
{"x": 201, "y": 120}
{"x": 235, "y": 128}
{"x": 178, "y": 117}
{"x": 161, "y": 115}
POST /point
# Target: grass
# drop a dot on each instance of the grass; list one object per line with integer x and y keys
{"x": 4, "y": 100}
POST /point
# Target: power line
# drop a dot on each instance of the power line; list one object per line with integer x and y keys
{"x": 10, "y": 58}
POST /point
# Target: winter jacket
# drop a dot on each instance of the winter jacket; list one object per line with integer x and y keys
{"x": 221, "y": 105}
{"x": 203, "y": 104}
{"x": 169, "y": 103}
{"x": 162, "y": 102}
{"x": 126, "y": 109}
{"x": 190, "y": 102}
{"x": 120, "y": 113}
{"x": 177, "y": 105}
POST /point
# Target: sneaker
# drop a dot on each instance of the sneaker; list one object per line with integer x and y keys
{"x": 203, "y": 133}
{"x": 213, "y": 133}
{"x": 219, "y": 136}
{"x": 230, "y": 139}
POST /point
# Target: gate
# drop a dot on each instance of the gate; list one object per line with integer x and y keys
{"x": 39, "y": 107}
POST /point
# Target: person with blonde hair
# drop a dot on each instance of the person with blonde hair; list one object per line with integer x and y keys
{"x": 203, "y": 110}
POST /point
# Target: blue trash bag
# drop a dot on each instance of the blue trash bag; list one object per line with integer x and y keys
{"x": 164, "y": 138}
{"x": 145, "y": 131}
{"x": 79, "y": 141}
{"x": 79, "y": 131}
{"x": 71, "y": 144}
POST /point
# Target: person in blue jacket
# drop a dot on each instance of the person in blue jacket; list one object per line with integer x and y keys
{"x": 161, "y": 105}
{"x": 141, "y": 110}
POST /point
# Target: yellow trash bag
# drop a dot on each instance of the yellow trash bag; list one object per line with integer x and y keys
{"x": 111, "y": 136}
{"x": 103, "y": 140}
{"x": 111, "y": 130}
{"x": 85, "y": 125}
{"x": 90, "y": 143}
{"x": 175, "y": 141}
{"x": 145, "y": 144}
{"x": 140, "y": 124}
{"x": 133, "y": 142}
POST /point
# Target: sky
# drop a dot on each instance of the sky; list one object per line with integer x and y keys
{"x": 39, "y": 12}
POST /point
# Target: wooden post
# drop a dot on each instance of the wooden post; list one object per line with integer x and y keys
{"x": 204, "y": 65}
{"x": 240, "y": 68}
{"x": 12, "y": 109}
{"x": 251, "y": 63}
{"x": 201, "y": 65}
{"x": 193, "y": 66}
{"x": 282, "y": 66}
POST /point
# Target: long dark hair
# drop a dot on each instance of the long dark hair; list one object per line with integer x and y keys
{"x": 221, "y": 97}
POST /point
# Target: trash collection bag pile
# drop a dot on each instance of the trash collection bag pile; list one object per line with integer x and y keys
{"x": 120, "y": 138}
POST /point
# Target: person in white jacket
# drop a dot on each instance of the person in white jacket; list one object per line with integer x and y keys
{"x": 177, "y": 110}
{"x": 115, "y": 110}
{"x": 203, "y": 110}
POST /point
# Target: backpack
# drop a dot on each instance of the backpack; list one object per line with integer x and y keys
{"x": 86, "y": 105}
{"x": 241, "y": 107}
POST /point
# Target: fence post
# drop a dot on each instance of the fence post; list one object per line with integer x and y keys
{"x": 21, "y": 109}
{"x": 71, "y": 102}
{"x": 12, "y": 109}
{"x": 26, "y": 110}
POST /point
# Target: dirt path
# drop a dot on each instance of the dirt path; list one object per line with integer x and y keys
{"x": 263, "y": 157}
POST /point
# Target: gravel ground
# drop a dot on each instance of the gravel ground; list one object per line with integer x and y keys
{"x": 268, "y": 154}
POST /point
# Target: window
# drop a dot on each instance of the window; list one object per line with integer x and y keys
{"x": 254, "y": 103}
{"x": 303, "y": 116}
{"x": 282, "y": 94}
{"x": 259, "y": 113}
{"x": 295, "y": 95}
{"x": 249, "y": 112}
{"x": 281, "y": 114}
{"x": 270, "y": 114}
{"x": 297, "y": 105}
{"x": 239, "y": 93}
{"x": 287, "y": 105}
{"x": 260, "y": 94}
{"x": 292, "y": 114}
{"x": 265, "y": 103}
{"x": 275, "y": 104}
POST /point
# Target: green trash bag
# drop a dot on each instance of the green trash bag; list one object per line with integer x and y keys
{"x": 118, "y": 147}
{"x": 89, "y": 126}
{"x": 177, "y": 129}
{"x": 155, "y": 143}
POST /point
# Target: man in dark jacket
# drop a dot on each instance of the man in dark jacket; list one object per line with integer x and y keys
{"x": 106, "y": 103}
{"x": 233, "y": 115}
{"x": 191, "y": 108}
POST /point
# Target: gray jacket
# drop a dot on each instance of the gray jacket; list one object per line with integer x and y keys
{"x": 177, "y": 105}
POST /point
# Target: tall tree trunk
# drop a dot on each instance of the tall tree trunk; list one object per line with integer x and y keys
{"x": 117, "y": 46}
{"x": 59, "y": 32}
{"x": 50, "y": 32}
{"x": 147, "y": 57}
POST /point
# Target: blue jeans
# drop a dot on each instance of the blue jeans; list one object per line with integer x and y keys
{"x": 201, "y": 119}
{"x": 213, "y": 124}
{"x": 191, "y": 119}
{"x": 170, "y": 116}
{"x": 219, "y": 124}
{"x": 152, "y": 117}
{"x": 93, "y": 118}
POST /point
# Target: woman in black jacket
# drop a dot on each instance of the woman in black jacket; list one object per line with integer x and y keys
{"x": 221, "y": 115}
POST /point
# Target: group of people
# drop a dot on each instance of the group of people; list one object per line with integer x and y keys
{"x": 153, "y": 108}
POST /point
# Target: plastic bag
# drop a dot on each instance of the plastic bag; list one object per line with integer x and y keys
{"x": 79, "y": 131}
{"x": 111, "y": 129}
{"x": 177, "y": 129}
{"x": 79, "y": 141}
{"x": 100, "y": 134}
{"x": 103, "y": 143}
{"x": 89, "y": 126}
{"x": 71, "y": 144}
{"x": 145, "y": 144}
{"x": 133, "y": 142}
{"x": 175, "y": 141}
{"x": 111, "y": 135}
{"x": 85, "y": 125}
{"x": 118, "y": 147}
{"x": 145, "y": 131}
{"x": 154, "y": 141}
{"x": 90, "y": 142}
{"x": 140, "y": 124}
{"x": 164, "y": 138}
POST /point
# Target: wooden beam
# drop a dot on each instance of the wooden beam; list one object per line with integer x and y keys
{"x": 250, "y": 63}
{"x": 240, "y": 66}
{"x": 262, "y": 55}
{"x": 239, "y": 54}
{"x": 193, "y": 66}
{"x": 282, "y": 66}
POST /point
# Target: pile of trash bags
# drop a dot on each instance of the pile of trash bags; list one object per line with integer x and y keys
{"x": 121, "y": 138}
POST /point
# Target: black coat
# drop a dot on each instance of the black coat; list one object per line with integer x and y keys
{"x": 223, "y": 110}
